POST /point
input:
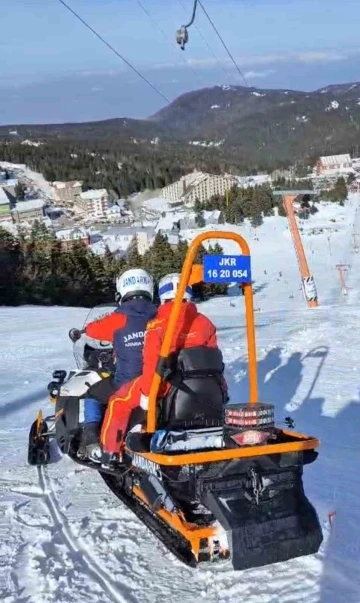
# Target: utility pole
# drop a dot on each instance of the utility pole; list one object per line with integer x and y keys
{"x": 342, "y": 268}
{"x": 307, "y": 280}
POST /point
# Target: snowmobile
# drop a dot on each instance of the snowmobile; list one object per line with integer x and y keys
{"x": 212, "y": 481}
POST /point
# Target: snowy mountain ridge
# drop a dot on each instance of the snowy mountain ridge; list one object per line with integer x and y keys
{"x": 251, "y": 124}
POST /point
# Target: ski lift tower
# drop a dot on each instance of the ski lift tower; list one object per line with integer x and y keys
{"x": 307, "y": 280}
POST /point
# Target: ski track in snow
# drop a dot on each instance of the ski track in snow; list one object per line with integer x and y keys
{"x": 65, "y": 538}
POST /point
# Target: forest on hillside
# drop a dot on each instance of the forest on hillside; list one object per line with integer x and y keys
{"x": 37, "y": 270}
{"x": 122, "y": 169}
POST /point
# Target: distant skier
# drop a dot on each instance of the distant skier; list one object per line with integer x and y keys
{"x": 125, "y": 327}
{"x": 193, "y": 329}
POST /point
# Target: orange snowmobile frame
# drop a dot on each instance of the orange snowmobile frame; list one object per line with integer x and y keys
{"x": 191, "y": 274}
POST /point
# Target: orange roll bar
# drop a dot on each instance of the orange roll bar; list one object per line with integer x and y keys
{"x": 250, "y": 326}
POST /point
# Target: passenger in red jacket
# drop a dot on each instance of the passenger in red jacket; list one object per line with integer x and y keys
{"x": 193, "y": 329}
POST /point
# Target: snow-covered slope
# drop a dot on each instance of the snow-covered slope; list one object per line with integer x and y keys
{"x": 64, "y": 536}
{"x": 33, "y": 180}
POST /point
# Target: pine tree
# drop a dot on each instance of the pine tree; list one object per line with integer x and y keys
{"x": 80, "y": 288}
{"x": 340, "y": 191}
{"x": 199, "y": 216}
{"x": 256, "y": 220}
{"x": 159, "y": 260}
{"x": 200, "y": 220}
{"x": 134, "y": 259}
{"x": 38, "y": 267}
{"x": 180, "y": 255}
{"x": 197, "y": 206}
{"x": 212, "y": 289}
{"x": 20, "y": 191}
{"x": 11, "y": 269}
{"x": 58, "y": 273}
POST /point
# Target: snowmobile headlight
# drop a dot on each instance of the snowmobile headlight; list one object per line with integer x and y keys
{"x": 53, "y": 389}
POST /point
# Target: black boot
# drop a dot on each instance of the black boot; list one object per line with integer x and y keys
{"x": 91, "y": 434}
{"x": 90, "y": 442}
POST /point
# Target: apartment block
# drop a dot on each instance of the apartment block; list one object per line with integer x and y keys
{"x": 197, "y": 185}
{"x": 93, "y": 203}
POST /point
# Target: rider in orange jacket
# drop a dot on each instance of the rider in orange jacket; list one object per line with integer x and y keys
{"x": 192, "y": 329}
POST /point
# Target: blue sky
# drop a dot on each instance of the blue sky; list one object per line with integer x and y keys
{"x": 302, "y": 44}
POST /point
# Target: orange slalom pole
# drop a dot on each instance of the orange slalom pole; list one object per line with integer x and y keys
{"x": 250, "y": 326}
{"x": 307, "y": 279}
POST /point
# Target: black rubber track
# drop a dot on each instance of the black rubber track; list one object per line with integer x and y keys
{"x": 173, "y": 541}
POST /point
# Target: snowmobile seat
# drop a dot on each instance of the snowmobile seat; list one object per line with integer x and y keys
{"x": 197, "y": 395}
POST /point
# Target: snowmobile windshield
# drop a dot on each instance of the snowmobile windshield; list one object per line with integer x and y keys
{"x": 82, "y": 346}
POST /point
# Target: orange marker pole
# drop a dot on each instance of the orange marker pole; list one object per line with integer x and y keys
{"x": 307, "y": 279}
{"x": 250, "y": 326}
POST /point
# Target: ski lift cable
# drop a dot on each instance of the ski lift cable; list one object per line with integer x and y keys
{"x": 208, "y": 45}
{"x": 120, "y": 56}
{"x": 223, "y": 43}
{"x": 198, "y": 77}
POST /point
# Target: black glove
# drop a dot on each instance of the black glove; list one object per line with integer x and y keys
{"x": 75, "y": 334}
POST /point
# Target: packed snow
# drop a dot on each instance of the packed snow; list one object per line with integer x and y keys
{"x": 156, "y": 206}
{"x": 32, "y": 143}
{"x": 254, "y": 180}
{"x": 203, "y": 143}
{"x": 333, "y": 105}
{"x": 65, "y": 538}
{"x": 30, "y": 178}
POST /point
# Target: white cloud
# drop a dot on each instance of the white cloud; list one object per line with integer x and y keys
{"x": 307, "y": 56}
{"x": 110, "y": 73}
{"x": 320, "y": 56}
{"x": 254, "y": 74}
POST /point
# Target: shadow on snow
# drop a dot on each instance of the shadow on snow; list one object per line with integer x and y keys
{"x": 336, "y": 464}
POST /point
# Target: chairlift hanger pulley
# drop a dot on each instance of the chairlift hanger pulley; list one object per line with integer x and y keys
{"x": 182, "y": 34}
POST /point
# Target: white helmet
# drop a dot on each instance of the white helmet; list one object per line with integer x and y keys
{"x": 135, "y": 283}
{"x": 169, "y": 285}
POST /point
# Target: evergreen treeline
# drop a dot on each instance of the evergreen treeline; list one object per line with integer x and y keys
{"x": 283, "y": 184}
{"x": 35, "y": 269}
{"x": 338, "y": 194}
{"x": 257, "y": 202}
